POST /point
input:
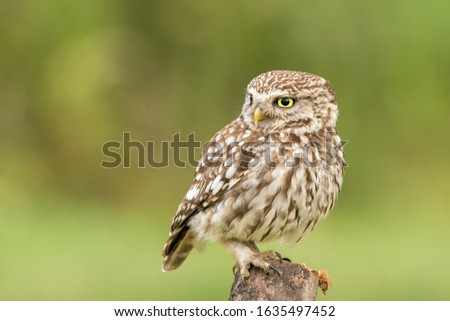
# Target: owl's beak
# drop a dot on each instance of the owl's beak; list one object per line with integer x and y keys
{"x": 258, "y": 115}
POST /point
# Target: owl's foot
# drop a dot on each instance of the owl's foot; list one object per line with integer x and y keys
{"x": 258, "y": 260}
{"x": 247, "y": 254}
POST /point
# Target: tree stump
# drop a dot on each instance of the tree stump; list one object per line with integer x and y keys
{"x": 292, "y": 282}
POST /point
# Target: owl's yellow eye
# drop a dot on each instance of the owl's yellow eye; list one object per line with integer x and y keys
{"x": 285, "y": 102}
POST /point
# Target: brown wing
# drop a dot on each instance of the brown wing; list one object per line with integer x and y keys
{"x": 215, "y": 172}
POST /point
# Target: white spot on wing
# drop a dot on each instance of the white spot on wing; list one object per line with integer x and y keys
{"x": 229, "y": 140}
{"x": 192, "y": 193}
{"x": 216, "y": 185}
{"x": 231, "y": 171}
{"x": 228, "y": 162}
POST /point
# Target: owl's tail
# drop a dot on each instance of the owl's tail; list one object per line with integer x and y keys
{"x": 177, "y": 248}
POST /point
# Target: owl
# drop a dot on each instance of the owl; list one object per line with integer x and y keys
{"x": 271, "y": 174}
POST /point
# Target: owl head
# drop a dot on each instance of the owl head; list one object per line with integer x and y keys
{"x": 281, "y": 98}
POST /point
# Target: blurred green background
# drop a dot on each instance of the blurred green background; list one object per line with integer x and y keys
{"x": 76, "y": 74}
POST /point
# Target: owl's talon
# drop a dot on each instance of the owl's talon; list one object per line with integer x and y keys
{"x": 278, "y": 255}
{"x": 235, "y": 269}
{"x": 245, "y": 271}
{"x": 275, "y": 269}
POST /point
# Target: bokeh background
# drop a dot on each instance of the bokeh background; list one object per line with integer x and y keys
{"x": 76, "y": 74}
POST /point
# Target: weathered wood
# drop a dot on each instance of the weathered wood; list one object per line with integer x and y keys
{"x": 292, "y": 282}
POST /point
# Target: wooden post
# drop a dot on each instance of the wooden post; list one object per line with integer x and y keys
{"x": 292, "y": 282}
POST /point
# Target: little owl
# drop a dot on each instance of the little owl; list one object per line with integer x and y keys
{"x": 272, "y": 173}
